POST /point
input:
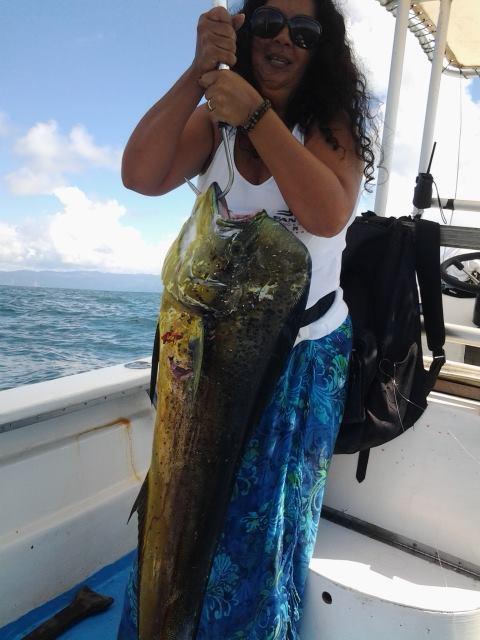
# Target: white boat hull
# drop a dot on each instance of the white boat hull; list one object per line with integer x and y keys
{"x": 75, "y": 467}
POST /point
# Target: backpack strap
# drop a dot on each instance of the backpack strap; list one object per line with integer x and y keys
{"x": 427, "y": 262}
{"x": 318, "y": 310}
{"x": 362, "y": 464}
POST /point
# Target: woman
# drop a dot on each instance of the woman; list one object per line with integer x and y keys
{"x": 300, "y": 146}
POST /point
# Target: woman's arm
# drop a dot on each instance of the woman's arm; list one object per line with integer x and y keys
{"x": 171, "y": 141}
{"x": 174, "y": 138}
{"x": 319, "y": 184}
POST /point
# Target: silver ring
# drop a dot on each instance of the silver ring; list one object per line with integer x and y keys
{"x": 209, "y": 105}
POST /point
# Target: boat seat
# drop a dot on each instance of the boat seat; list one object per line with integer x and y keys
{"x": 359, "y": 588}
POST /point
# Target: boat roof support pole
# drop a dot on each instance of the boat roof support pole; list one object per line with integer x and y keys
{"x": 391, "y": 108}
{"x": 434, "y": 88}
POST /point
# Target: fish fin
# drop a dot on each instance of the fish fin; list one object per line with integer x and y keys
{"x": 140, "y": 502}
{"x": 140, "y": 506}
{"x": 154, "y": 371}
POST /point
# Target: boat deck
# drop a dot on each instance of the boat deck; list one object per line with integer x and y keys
{"x": 348, "y": 572}
{"x": 109, "y": 581}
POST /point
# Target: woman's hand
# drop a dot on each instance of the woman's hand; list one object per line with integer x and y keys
{"x": 231, "y": 98}
{"x": 175, "y": 138}
{"x": 216, "y": 40}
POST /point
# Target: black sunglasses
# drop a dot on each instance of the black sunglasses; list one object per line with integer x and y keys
{"x": 268, "y": 22}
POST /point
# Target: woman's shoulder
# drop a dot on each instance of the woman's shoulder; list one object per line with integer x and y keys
{"x": 335, "y": 146}
{"x": 339, "y": 127}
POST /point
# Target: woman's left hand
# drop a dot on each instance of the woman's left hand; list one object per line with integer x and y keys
{"x": 232, "y": 99}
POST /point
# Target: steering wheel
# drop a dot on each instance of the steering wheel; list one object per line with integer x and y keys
{"x": 456, "y": 285}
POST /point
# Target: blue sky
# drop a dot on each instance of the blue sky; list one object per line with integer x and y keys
{"x": 77, "y": 75}
{"x": 102, "y": 64}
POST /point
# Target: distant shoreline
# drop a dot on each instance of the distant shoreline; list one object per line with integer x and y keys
{"x": 83, "y": 280}
{"x": 65, "y": 288}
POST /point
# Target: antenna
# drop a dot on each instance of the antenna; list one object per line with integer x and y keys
{"x": 431, "y": 157}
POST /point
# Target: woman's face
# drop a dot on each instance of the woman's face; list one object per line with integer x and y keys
{"x": 278, "y": 64}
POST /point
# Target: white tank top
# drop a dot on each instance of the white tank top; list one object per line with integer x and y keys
{"x": 326, "y": 253}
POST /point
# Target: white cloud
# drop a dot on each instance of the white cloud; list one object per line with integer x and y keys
{"x": 82, "y": 144}
{"x": 84, "y": 234}
{"x": 26, "y": 246}
{"x": 10, "y": 243}
{"x": 370, "y": 29}
{"x": 28, "y": 181}
{"x": 50, "y": 157}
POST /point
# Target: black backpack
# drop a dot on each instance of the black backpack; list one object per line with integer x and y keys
{"x": 388, "y": 384}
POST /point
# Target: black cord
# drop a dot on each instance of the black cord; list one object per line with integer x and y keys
{"x": 442, "y": 213}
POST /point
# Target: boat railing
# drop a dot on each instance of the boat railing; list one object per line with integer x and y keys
{"x": 460, "y": 237}
{"x": 31, "y": 404}
{"x": 454, "y": 204}
{"x": 461, "y": 334}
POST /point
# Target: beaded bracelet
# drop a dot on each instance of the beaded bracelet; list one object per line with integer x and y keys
{"x": 256, "y": 115}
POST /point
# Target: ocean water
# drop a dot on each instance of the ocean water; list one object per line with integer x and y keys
{"x": 48, "y": 333}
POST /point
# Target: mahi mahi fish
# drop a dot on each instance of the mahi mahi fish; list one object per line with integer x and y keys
{"x": 234, "y": 292}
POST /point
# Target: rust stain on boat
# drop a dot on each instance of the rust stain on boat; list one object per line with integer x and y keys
{"x": 131, "y": 458}
{"x": 66, "y": 439}
{"x": 120, "y": 422}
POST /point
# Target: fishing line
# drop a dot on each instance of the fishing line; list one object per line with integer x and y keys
{"x": 442, "y": 212}
{"x": 396, "y": 389}
{"x": 459, "y": 146}
{"x": 440, "y": 562}
{"x": 462, "y": 446}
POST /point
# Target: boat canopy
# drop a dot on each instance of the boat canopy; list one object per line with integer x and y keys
{"x": 462, "y": 52}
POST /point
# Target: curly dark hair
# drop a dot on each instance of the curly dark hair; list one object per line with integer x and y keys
{"x": 332, "y": 83}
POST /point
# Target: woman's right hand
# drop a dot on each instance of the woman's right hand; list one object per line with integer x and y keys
{"x": 216, "y": 40}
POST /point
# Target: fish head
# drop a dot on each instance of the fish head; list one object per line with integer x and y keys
{"x": 202, "y": 264}
{"x": 218, "y": 263}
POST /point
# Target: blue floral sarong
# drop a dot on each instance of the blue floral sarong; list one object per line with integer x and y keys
{"x": 259, "y": 571}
